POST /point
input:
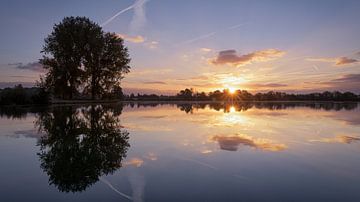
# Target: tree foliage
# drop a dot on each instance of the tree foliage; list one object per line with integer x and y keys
{"x": 81, "y": 58}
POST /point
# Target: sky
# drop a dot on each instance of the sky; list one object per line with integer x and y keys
{"x": 288, "y": 46}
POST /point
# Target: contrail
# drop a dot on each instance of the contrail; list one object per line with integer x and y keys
{"x": 212, "y": 34}
{"x": 114, "y": 189}
{"x": 136, "y": 4}
{"x": 139, "y": 17}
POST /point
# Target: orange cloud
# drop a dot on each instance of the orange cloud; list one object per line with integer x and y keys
{"x": 133, "y": 39}
{"x": 344, "y": 61}
{"x": 231, "y": 57}
{"x": 345, "y": 139}
{"x": 340, "y": 61}
{"x": 206, "y": 50}
{"x": 232, "y": 143}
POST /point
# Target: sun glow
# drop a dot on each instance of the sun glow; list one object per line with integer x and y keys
{"x": 232, "y": 90}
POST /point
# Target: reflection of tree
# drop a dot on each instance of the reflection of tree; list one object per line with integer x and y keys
{"x": 80, "y": 145}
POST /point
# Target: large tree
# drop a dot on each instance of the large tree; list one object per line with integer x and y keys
{"x": 79, "y": 55}
{"x": 106, "y": 65}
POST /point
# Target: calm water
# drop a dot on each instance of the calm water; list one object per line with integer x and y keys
{"x": 247, "y": 152}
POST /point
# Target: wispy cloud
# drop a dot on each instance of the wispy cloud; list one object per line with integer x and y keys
{"x": 152, "y": 44}
{"x": 133, "y": 39}
{"x": 348, "y": 82}
{"x": 33, "y": 66}
{"x": 206, "y": 50}
{"x": 340, "y": 61}
{"x": 345, "y": 139}
{"x": 232, "y": 58}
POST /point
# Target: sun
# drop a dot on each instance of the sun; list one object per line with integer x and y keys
{"x": 232, "y": 90}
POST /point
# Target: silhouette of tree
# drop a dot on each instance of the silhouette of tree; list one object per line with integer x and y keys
{"x": 80, "y": 145}
{"x": 63, "y": 54}
{"x": 79, "y": 54}
{"x": 106, "y": 65}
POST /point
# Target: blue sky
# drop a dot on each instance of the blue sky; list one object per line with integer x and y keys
{"x": 173, "y": 44}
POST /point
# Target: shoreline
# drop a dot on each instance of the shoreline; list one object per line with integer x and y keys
{"x": 87, "y": 102}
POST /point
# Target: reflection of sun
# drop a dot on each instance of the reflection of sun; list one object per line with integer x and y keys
{"x": 232, "y": 109}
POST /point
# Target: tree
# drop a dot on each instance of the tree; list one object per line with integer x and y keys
{"x": 79, "y": 55}
{"x": 63, "y": 54}
{"x": 106, "y": 65}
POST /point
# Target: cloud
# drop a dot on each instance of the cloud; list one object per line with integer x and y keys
{"x": 270, "y": 85}
{"x": 33, "y": 66}
{"x": 133, "y": 39}
{"x": 206, "y": 50}
{"x": 152, "y": 44}
{"x": 154, "y": 82}
{"x": 139, "y": 17}
{"x": 232, "y": 143}
{"x": 344, "y": 61}
{"x": 344, "y": 139}
{"x": 232, "y": 58}
{"x": 340, "y": 61}
{"x": 348, "y": 82}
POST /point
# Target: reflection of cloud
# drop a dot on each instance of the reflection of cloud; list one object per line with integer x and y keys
{"x": 154, "y": 116}
{"x": 151, "y": 156}
{"x": 28, "y": 133}
{"x": 137, "y": 183}
{"x": 206, "y": 151}
{"x": 337, "y": 61}
{"x": 232, "y": 58}
{"x": 137, "y": 162}
{"x": 345, "y": 139}
{"x": 114, "y": 189}
{"x": 231, "y": 143}
{"x": 154, "y": 82}
{"x": 148, "y": 128}
{"x": 199, "y": 163}
{"x": 133, "y": 39}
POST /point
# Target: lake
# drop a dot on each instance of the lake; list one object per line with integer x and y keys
{"x": 261, "y": 151}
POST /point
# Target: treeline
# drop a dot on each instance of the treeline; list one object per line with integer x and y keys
{"x": 243, "y": 95}
{"x": 19, "y": 95}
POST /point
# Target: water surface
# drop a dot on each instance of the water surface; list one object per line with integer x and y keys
{"x": 181, "y": 152}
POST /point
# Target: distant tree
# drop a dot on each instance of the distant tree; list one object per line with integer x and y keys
{"x": 186, "y": 94}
